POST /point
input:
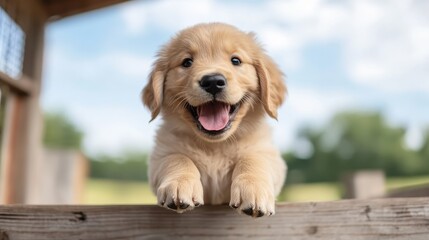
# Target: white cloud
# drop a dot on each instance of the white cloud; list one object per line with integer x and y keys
{"x": 313, "y": 104}
{"x": 110, "y": 129}
{"x": 108, "y": 126}
{"x": 414, "y": 137}
{"x": 134, "y": 20}
{"x": 127, "y": 64}
{"x": 171, "y": 15}
{"x": 305, "y": 106}
{"x": 384, "y": 43}
{"x": 384, "y": 47}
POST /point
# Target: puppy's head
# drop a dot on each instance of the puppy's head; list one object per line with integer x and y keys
{"x": 212, "y": 76}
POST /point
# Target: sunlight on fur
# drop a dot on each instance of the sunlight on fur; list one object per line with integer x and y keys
{"x": 213, "y": 86}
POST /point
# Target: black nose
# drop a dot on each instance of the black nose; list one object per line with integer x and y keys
{"x": 213, "y": 83}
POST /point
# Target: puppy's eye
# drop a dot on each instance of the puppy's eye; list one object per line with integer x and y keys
{"x": 187, "y": 62}
{"x": 235, "y": 61}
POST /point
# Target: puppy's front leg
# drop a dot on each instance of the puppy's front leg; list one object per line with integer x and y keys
{"x": 254, "y": 185}
{"x": 177, "y": 183}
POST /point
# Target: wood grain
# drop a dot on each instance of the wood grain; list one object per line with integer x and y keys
{"x": 21, "y": 141}
{"x": 63, "y": 8}
{"x": 20, "y": 86}
{"x": 402, "y": 218}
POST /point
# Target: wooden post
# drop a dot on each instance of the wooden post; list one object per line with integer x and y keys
{"x": 22, "y": 137}
{"x": 21, "y": 141}
{"x": 365, "y": 184}
{"x": 64, "y": 183}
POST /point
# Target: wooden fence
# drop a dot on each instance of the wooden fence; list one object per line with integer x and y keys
{"x": 421, "y": 190}
{"x": 400, "y": 218}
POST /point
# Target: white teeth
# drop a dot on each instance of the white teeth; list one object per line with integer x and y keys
{"x": 228, "y": 108}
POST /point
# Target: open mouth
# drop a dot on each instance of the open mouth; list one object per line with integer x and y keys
{"x": 214, "y": 117}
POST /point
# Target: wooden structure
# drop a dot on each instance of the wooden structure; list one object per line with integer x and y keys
{"x": 406, "y": 219}
{"x": 365, "y": 184}
{"x": 21, "y": 149}
{"x": 421, "y": 190}
{"x": 65, "y": 182}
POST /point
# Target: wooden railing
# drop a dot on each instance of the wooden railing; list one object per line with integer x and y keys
{"x": 401, "y": 218}
{"x": 421, "y": 190}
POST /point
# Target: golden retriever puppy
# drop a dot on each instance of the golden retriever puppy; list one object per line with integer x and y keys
{"x": 213, "y": 85}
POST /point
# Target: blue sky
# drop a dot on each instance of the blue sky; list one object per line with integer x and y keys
{"x": 337, "y": 55}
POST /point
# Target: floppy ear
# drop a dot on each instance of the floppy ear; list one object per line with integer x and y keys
{"x": 272, "y": 86}
{"x": 152, "y": 93}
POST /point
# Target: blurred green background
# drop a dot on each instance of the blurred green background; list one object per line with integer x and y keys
{"x": 350, "y": 141}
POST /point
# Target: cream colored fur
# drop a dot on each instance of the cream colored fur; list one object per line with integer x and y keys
{"x": 241, "y": 166}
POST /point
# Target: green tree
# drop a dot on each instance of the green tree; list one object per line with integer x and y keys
{"x": 353, "y": 141}
{"x": 130, "y": 165}
{"x": 424, "y": 152}
{"x": 60, "y": 132}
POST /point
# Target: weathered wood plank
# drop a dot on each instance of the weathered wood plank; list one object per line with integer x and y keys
{"x": 406, "y": 218}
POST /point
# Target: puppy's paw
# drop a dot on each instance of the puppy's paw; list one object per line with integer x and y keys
{"x": 252, "y": 197}
{"x": 180, "y": 195}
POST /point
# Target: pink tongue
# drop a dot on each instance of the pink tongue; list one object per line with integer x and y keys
{"x": 213, "y": 116}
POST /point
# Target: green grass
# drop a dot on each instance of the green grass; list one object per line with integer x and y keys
{"x": 101, "y": 191}
{"x": 392, "y": 183}
{"x": 314, "y": 192}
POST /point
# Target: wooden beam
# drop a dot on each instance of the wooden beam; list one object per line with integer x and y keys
{"x": 348, "y": 219}
{"x": 20, "y": 86}
{"x": 63, "y": 8}
{"x": 12, "y": 176}
{"x": 421, "y": 190}
{"x": 21, "y": 143}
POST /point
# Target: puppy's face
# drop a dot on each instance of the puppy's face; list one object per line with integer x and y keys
{"x": 211, "y": 76}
